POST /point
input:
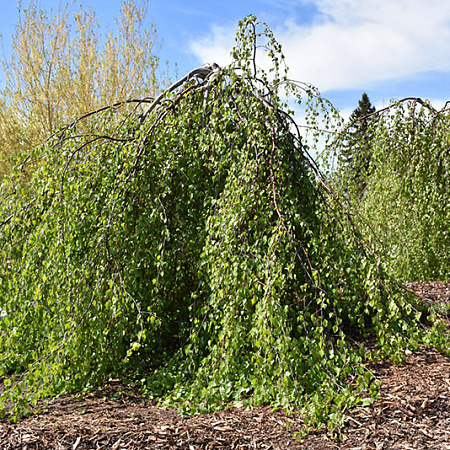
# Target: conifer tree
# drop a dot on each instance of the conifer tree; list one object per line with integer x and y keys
{"x": 356, "y": 150}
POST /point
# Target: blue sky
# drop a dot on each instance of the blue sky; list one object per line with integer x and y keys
{"x": 387, "y": 48}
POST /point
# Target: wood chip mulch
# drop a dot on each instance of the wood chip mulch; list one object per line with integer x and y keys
{"x": 413, "y": 412}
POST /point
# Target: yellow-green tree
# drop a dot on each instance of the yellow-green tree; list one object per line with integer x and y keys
{"x": 63, "y": 65}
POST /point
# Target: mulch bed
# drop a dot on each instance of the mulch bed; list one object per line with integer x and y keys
{"x": 413, "y": 412}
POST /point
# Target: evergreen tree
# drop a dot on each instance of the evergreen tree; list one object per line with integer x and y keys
{"x": 356, "y": 150}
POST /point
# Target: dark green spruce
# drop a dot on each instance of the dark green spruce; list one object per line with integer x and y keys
{"x": 356, "y": 150}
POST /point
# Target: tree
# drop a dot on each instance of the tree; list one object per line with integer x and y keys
{"x": 403, "y": 175}
{"x": 356, "y": 150}
{"x": 407, "y": 196}
{"x": 62, "y": 66}
{"x": 197, "y": 249}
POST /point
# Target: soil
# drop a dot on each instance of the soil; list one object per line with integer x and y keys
{"x": 413, "y": 412}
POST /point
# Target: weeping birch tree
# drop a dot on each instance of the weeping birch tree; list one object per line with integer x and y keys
{"x": 197, "y": 247}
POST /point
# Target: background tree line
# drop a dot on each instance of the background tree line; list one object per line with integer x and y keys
{"x": 63, "y": 65}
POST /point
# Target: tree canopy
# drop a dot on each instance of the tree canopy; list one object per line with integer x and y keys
{"x": 63, "y": 65}
{"x": 355, "y": 150}
{"x": 408, "y": 192}
{"x": 198, "y": 247}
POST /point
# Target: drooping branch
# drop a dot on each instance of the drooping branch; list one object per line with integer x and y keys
{"x": 203, "y": 73}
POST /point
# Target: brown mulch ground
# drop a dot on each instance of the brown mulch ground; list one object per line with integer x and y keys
{"x": 413, "y": 412}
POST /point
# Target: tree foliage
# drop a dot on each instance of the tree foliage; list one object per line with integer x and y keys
{"x": 355, "y": 149}
{"x": 197, "y": 246}
{"x": 62, "y": 66}
{"x": 408, "y": 194}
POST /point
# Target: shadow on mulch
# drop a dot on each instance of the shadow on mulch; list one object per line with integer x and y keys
{"x": 413, "y": 412}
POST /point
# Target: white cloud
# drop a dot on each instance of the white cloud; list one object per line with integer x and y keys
{"x": 439, "y": 103}
{"x": 354, "y": 43}
{"x": 215, "y": 46}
